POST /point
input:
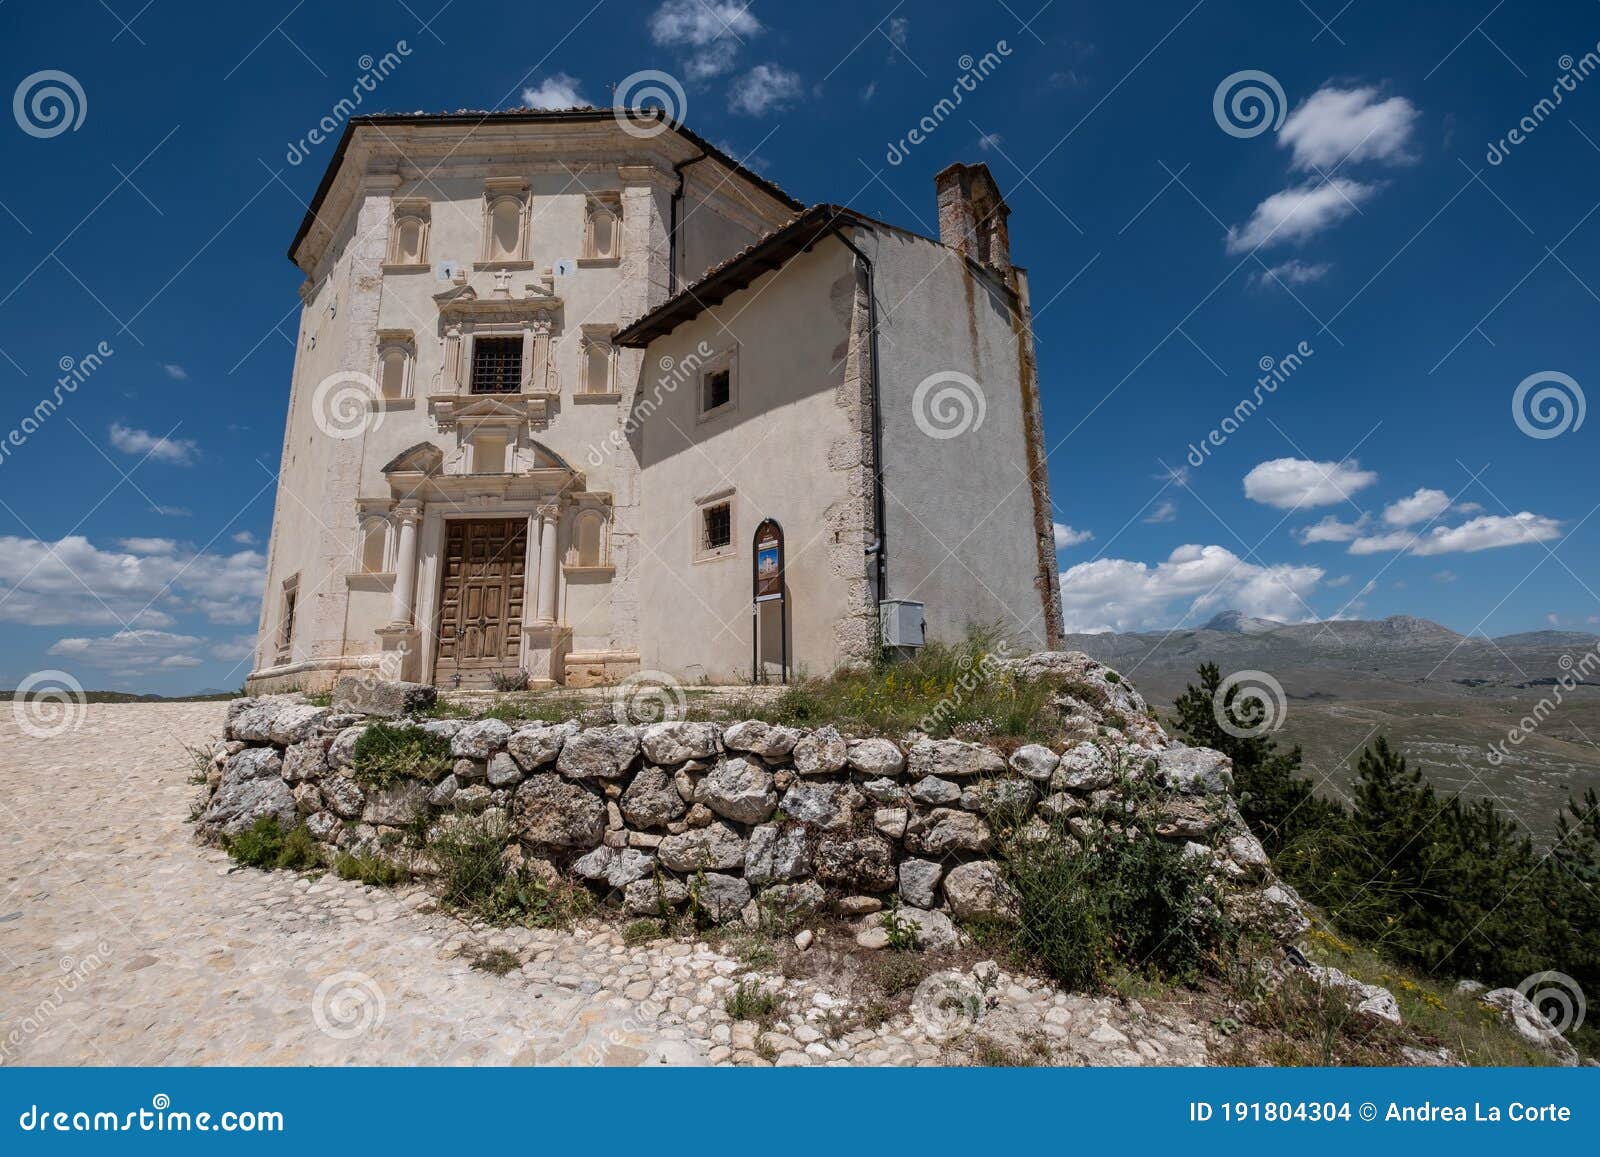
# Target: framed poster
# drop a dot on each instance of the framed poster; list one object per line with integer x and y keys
{"x": 768, "y": 562}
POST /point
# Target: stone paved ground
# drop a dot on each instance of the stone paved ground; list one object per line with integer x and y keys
{"x": 122, "y": 942}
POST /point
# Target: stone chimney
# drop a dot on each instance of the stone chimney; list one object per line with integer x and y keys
{"x": 972, "y": 215}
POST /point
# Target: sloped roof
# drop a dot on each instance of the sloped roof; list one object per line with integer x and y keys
{"x": 475, "y": 117}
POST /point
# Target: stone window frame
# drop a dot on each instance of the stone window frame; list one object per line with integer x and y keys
{"x": 402, "y": 210}
{"x": 703, "y": 551}
{"x": 288, "y": 611}
{"x": 374, "y": 519}
{"x": 591, "y": 334}
{"x": 594, "y": 204}
{"x": 725, "y": 359}
{"x": 505, "y": 431}
{"x": 403, "y": 342}
{"x": 498, "y": 191}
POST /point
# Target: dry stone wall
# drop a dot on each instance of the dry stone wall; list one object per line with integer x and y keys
{"x": 735, "y": 813}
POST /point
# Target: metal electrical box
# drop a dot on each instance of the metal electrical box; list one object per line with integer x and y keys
{"x": 901, "y": 622}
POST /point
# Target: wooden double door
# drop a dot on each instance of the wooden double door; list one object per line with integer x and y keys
{"x": 480, "y": 601}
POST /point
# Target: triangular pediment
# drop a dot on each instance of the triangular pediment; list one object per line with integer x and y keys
{"x": 423, "y": 458}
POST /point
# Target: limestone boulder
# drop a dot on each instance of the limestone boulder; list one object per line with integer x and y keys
{"x": 1195, "y": 770}
{"x": 919, "y": 882}
{"x": 822, "y": 752}
{"x": 599, "y": 752}
{"x": 675, "y": 742}
{"x": 252, "y": 786}
{"x": 655, "y": 896}
{"x": 395, "y": 805}
{"x": 719, "y": 897}
{"x": 1083, "y": 768}
{"x": 713, "y": 848}
{"x": 946, "y": 830}
{"x": 342, "y": 751}
{"x": 770, "y": 741}
{"x": 864, "y": 863}
{"x": 978, "y": 891}
{"x": 534, "y": 746}
{"x": 652, "y": 800}
{"x": 304, "y": 761}
{"x": 275, "y": 719}
{"x": 740, "y": 790}
{"x": 875, "y": 757}
{"x": 503, "y": 771}
{"x": 344, "y": 796}
{"x": 823, "y": 805}
{"x": 1524, "y": 1017}
{"x": 952, "y": 759}
{"x": 547, "y": 810}
{"x": 776, "y": 852}
{"x": 1035, "y": 761}
{"x": 384, "y": 698}
{"x": 480, "y": 739}
{"x": 616, "y": 867}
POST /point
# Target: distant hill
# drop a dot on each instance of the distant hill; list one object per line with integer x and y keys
{"x": 1444, "y": 697}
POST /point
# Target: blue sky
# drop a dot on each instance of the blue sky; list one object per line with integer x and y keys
{"x": 1172, "y": 249}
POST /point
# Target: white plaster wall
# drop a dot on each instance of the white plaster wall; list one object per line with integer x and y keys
{"x": 791, "y": 326}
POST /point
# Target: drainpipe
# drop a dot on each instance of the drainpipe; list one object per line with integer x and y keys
{"x": 876, "y": 547}
{"x": 672, "y": 234}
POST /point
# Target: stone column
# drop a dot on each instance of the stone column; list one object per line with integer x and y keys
{"x": 405, "y": 569}
{"x": 549, "y": 562}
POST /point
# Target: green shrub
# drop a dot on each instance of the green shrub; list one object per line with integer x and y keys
{"x": 386, "y": 754}
{"x": 475, "y": 878}
{"x": 369, "y": 869}
{"x": 266, "y": 845}
{"x": 749, "y": 1001}
{"x": 643, "y": 931}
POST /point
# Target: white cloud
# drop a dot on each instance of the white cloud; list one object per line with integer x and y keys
{"x": 1291, "y": 272}
{"x": 1195, "y": 581}
{"x": 1483, "y": 533}
{"x": 990, "y": 141}
{"x": 899, "y": 31}
{"x": 1445, "y": 576}
{"x": 1066, "y": 536}
{"x": 1293, "y": 215}
{"x": 1348, "y": 125}
{"x": 764, "y": 88}
{"x": 148, "y": 545}
{"x": 1342, "y": 580}
{"x": 245, "y": 538}
{"x": 558, "y": 90}
{"x": 869, "y": 92}
{"x": 74, "y": 582}
{"x": 1331, "y": 529}
{"x": 1166, "y": 511}
{"x": 130, "y": 652}
{"x": 174, "y": 371}
{"x": 1288, "y": 483}
{"x": 172, "y": 511}
{"x": 1419, "y": 507}
{"x": 173, "y": 451}
{"x": 236, "y": 649}
{"x": 710, "y": 32}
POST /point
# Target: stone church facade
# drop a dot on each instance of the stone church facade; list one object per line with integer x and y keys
{"x": 554, "y": 371}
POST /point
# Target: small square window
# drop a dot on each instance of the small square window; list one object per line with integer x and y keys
{"x": 718, "y": 522}
{"x": 497, "y": 365}
{"x": 716, "y": 390}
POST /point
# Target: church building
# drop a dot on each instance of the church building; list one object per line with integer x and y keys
{"x": 576, "y": 395}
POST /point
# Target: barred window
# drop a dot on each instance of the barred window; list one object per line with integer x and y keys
{"x": 718, "y": 526}
{"x": 497, "y": 365}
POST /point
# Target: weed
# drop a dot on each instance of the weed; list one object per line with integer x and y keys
{"x": 386, "y": 754}
{"x": 369, "y": 869}
{"x": 475, "y": 878}
{"x": 266, "y": 845}
{"x": 498, "y": 961}
{"x": 749, "y": 1001}
{"x": 643, "y": 931}
{"x": 902, "y": 933}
